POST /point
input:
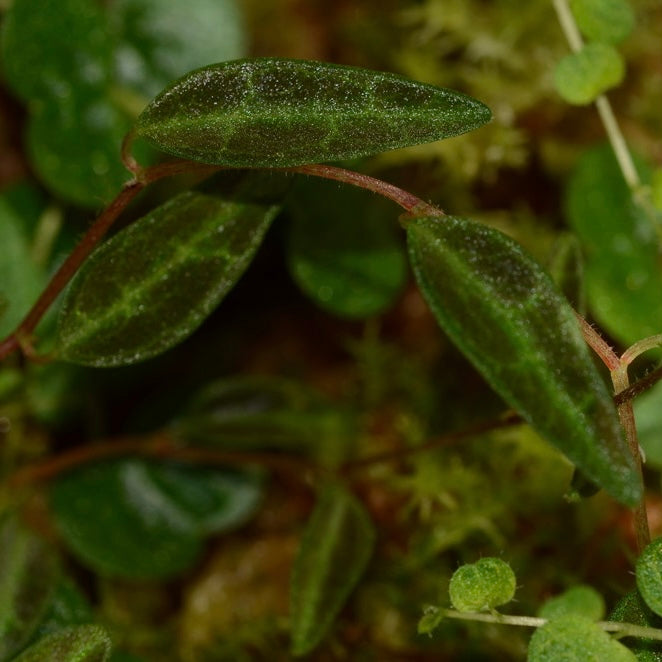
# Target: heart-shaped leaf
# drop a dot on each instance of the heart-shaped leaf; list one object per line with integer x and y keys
{"x": 505, "y": 314}
{"x": 153, "y": 284}
{"x": 273, "y": 112}
{"x": 335, "y": 549}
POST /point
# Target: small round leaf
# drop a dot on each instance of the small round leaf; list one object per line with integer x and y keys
{"x": 649, "y": 575}
{"x": 582, "y": 600}
{"x": 610, "y": 21}
{"x": 483, "y": 585}
{"x": 582, "y": 77}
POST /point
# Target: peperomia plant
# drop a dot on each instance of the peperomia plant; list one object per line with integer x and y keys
{"x": 141, "y": 507}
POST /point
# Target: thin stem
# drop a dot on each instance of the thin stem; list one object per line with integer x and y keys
{"x": 406, "y": 200}
{"x": 639, "y": 387}
{"x": 595, "y": 341}
{"x": 624, "y": 629}
{"x": 641, "y": 346}
{"x": 158, "y": 446}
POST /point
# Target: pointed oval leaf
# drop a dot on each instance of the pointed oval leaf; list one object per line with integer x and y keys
{"x": 154, "y": 283}
{"x": 85, "y": 643}
{"x": 272, "y": 112}
{"x": 504, "y": 313}
{"x": 28, "y": 576}
{"x": 344, "y": 250}
{"x": 143, "y": 520}
{"x": 335, "y": 550}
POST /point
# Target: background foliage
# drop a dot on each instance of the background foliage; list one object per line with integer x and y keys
{"x": 179, "y": 545}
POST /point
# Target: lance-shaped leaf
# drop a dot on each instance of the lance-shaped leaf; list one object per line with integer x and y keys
{"x": 505, "y": 314}
{"x": 272, "y": 112}
{"x": 335, "y": 549}
{"x": 28, "y": 575}
{"x": 85, "y": 643}
{"x": 153, "y": 284}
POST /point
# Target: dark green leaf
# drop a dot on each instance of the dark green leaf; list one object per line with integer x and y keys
{"x": 20, "y": 278}
{"x": 56, "y": 49}
{"x": 274, "y": 112}
{"x": 67, "y": 607}
{"x": 582, "y": 77}
{"x": 575, "y": 639}
{"x": 153, "y": 284}
{"x": 582, "y": 600}
{"x": 566, "y": 267}
{"x": 85, "y": 643}
{"x": 264, "y": 413}
{"x": 28, "y": 574}
{"x": 623, "y": 268}
{"x": 503, "y": 311}
{"x": 344, "y": 249}
{"x": 631, "y": 608}
{"x": 74, "y": 145}
{"x": 160, "y": 41}
{"x": 649, "y": 575}
{"x": 604, "y": 20}
{"x": 144, "y": 520}
{"x": 335, "y": 550}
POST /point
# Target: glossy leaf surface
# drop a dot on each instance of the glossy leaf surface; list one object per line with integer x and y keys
{"x": 273, "y": 112}
{"x": 623, "y": 267}
{"x": 344, "y": 250}
{"x": 85, "y": 643}
{"x": 582, "y": 77}
{"x": 575, "y": 639}
{"x": 153, "y": 284}
{"x": 335, "y": 550}
{"x": 504, "y": 313}
{"x": 28, "y": 574}
{"x": 252, "y": 413}
{"x": 160, "y": 41}
{"x": 141, "y": 520}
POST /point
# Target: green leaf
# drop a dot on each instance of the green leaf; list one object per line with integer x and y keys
{"x": 649, "y": 575}
{"x": 344, "y": 250}
{"x": 21, "y": 279}
{"x": 610, "y": 21}
{"x": 146, "y": 520}
{"x": 648, "y": 417}
{"x": 504, "y": 313}
{"x": 582, "y": 77}
{"x": 574, "y": 638}
{"x": 582, "y": 600}
{"x": 566, "y": 268}
{"x": 631, "y": 608}
{"x": 159, "y": 41}
{"x": 67, "y": 607}
{"x": 55, "y": 49}
{"x": 431, "y": 619}
{"x": 484, "y": 585}
{"x": 623, "y": 271}
{"x": 28, "y": 574}
{"x": 264, "y": 413}
{"x": 155, "y": 282}
{"x": 85, "y": 643}
{"x": 272, "y": 112}
{"x": 74, "y": 145}
{"x": 335, "y": 550}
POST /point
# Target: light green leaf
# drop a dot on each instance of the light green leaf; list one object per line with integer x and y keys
{"x": 574, "y": 638}
{"x": 582, "y": 77}
{"x": 344, "y": 250}
{"x": 504, "y": 313}
{"x": 28, "y": 574}
{"x": 335, "y": 550}
{"x": 581, "y": 600}
{"x": 274, "y": 112}
{"x": 486, "y": 584}
{"x": 610, "y": 21}
{"x": 155, "y": 282}
{"x": 146, "y": 520}
{"x": 160, "y": 41}
{"x": 649, "y": 575}
{"x": 85, "y": 643}
{"x": 623, "y": 269}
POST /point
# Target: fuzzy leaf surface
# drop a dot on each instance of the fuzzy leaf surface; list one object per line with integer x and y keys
{"x": 335, "y": 550}
{"x": 85, "y": 643}
{"x": 146, "y": 520}
{"x": 28, "y": 575}
{"x": 273, "y": 112}
{"x": 504, "y": 313}
{"x": 155, "y": 282}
